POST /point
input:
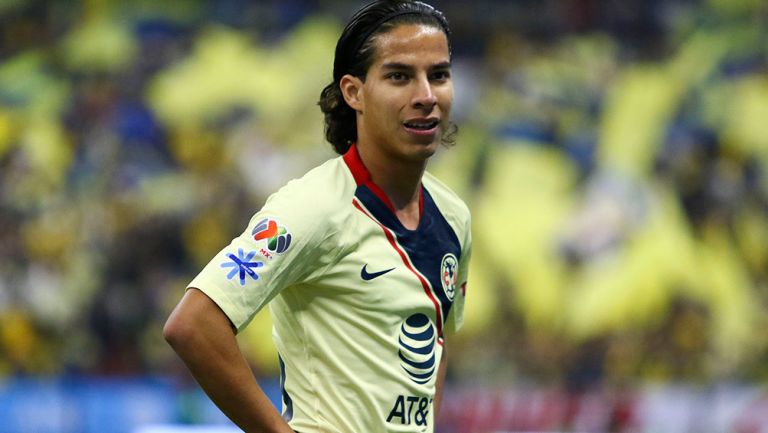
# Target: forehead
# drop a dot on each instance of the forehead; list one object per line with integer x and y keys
{"x": 411, "y": 44}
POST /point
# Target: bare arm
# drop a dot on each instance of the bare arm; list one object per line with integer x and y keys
{"x": 202, "y": 335}
{"x": 441, "y": 369}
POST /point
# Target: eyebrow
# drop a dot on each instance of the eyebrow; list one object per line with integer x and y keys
{"x": 404, "y": 66}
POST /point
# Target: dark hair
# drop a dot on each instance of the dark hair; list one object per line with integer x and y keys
{"x": 354, "y": 55}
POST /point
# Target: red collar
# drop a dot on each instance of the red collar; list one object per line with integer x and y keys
{"x": 363, "y": 177}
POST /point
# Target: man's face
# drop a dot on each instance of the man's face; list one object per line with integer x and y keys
{"x": 406, "y": 98}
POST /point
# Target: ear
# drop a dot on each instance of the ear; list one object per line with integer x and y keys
{"x": 352, "y": 91}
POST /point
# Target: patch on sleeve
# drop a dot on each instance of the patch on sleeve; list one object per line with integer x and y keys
{"x": 242, "y": 265}
{"x": 278, "y": 237}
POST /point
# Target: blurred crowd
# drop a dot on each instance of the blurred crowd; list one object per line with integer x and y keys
{"x": 614, "y": 154}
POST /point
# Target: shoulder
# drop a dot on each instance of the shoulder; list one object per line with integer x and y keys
{"x": 445, "y": 198}
{"x": 451, "y": 206}
{"x": 322, "y": 189}
{"x": 313, "y": 204}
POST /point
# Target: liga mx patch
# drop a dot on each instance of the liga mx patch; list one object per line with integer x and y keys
{"x": 277, "y": 236}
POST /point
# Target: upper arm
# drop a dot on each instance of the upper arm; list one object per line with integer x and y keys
{"x": 281, "y": 246}
{"x": 195, "y": 313}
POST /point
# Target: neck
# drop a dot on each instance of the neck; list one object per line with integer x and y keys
{"x": 401, "y": 181}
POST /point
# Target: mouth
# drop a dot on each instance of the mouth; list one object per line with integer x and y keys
{"x": 422, "y": 126}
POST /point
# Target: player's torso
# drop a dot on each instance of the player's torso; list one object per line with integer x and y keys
{"x": 371, "y": 324}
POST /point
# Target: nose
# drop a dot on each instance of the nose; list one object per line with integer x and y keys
{"x": 424, "y": 95}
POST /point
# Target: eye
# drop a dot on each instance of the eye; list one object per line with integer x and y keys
{"x": 397, "y": 76}
{"x": 441, "y": 75}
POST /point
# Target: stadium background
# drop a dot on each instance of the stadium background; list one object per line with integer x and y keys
{"x": 614, "y": 154}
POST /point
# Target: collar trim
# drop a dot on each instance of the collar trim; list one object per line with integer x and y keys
{"x": 363, "y": 177}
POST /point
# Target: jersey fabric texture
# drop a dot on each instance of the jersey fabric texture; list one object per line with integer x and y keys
{"x": 360, "y": 304}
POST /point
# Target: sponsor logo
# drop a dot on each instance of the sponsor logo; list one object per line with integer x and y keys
{"x": 278, "y": 237}
{"x": 242, "y": 266}
{"x": 368, "y": 276}
{"x": 448, "y": 269}
{"x": 417, "y": 348}
{"x": 409, "y": 410}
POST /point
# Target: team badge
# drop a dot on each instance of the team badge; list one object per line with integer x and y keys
{"x": 242, "y": 266}
{"x": 448, "y": 270}
{"x": 278, "y": 237}
{"x": 417, "y": 348}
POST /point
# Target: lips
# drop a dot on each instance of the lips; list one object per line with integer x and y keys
{"x": 422, "y": 126}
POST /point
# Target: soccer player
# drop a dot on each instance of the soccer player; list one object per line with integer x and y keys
{"x": 363, "y": 261}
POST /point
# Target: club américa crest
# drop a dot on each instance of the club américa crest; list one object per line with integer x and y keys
{"x": 448, "y": 270}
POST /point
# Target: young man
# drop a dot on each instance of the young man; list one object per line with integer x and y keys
{"x": 363, "y": 261}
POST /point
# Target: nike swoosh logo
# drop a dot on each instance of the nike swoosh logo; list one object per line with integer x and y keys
{"x": 367, "y": 276}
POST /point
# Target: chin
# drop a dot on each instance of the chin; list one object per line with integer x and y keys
{"x": 424, "y": 151}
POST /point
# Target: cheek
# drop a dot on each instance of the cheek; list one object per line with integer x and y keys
{"x": 389, "y": 106}
{"x": 446, "y": 101}
{"x": 379, "y": 101}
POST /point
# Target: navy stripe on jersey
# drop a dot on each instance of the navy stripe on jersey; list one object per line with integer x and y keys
{"x": 426, "y": 246}
{"x": 389, "y": 234}
{"x": 287, "y": 401}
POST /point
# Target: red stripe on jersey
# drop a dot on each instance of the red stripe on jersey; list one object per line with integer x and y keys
{"x": 406, "y": 262}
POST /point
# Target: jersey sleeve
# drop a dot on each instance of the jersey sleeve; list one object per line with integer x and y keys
{"x": 282, "y": 245}
{"x": 456, "y": 318}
